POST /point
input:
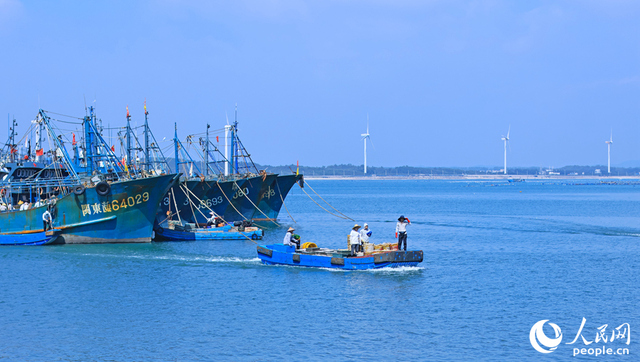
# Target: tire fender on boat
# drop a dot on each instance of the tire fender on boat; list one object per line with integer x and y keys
{"x": 103, "y": 188}
{"x": 78, "y": 189}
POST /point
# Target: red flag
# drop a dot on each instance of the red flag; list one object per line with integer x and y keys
{"x": 26, "y": 157}
{"x": 217, "y": 140}
{"x": 73, "y": 143}
{"x": 127, "y": 111}
{"x": 40, "y": 152}
{"x": 13, "y": 150}
{"x": 113, "y": 148}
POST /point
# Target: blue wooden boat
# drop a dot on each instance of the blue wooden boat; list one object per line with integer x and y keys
{"x": 189, "y": 233}
{"x": 280, "y": 254}
{"x": 30, "y": 238}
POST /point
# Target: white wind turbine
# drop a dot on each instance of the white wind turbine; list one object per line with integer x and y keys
{"x": 506, "y": 140}
{"x": 365, "y": 137}
{"x": 609, "y": 142}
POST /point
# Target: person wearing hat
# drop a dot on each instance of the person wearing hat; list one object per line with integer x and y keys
{"x": 290, "y": 240}
{"x": 365, "y": 233}
{"x": 354, "y": 239}
{"x": 401, "y": 231}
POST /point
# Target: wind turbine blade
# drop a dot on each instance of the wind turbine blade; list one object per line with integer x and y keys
{"x": 367, "y": 123}
{"x": 226, "y": 115}
{"x": 374, "y": 147}
{"x": 509, "y": 131}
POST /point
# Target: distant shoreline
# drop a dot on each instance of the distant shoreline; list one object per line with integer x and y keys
{"x": 477, "y": 177}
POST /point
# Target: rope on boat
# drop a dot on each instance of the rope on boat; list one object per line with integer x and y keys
{"x": 201, "y": 203}
{"x": 343, "y": 216}
{"x": 283, "y": 204}
{"x": 314, "y": 191}
{"x": 225, "y": 196}
{"x": 176, "y": 205}
{"x": 254, "y": 205}
{"x": 336, "y": 215}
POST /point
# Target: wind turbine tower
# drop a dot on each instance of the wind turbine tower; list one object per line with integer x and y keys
{"x": 506, "y": 140}
{"x": 609, "y": 142}
{"x": 365, "y": 137}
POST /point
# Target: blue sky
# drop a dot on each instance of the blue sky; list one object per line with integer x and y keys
{"x": 441, "y": 81}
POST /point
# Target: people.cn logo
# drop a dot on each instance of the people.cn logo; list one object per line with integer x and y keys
{"x": 540, "y": 341}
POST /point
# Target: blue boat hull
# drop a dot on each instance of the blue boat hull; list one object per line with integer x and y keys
{"x": 124, "y": 215}
{"x": 221, "y": 233}
{"x": 279, "y": 254}
{"x": 35, "y": 238}
{"x": 272, "y": 198}
{"x": 243, "y": 198}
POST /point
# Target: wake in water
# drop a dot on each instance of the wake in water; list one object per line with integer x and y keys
{"x": 208, "y": 259}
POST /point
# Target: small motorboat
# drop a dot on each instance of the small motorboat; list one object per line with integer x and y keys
{"x": 310, "y": 255}
{"x": 29, "y": 238}
{"x": 175, "y": 231}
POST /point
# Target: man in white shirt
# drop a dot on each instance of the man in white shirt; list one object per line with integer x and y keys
{"x": 401, "y": 231}
{"x": 46, "y": 220}
{"x": 354, "y": 239}
{"x": 289, "y": 239}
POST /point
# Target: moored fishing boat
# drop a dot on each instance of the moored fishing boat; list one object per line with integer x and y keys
{"x": 101, "y": 203}
{"x": 280, "y": 254}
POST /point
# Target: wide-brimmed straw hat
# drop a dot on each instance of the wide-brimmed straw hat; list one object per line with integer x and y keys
{"x": 291, "y": 229}
{"x": 401, "y": 218}
{"x": 356, "y": 226}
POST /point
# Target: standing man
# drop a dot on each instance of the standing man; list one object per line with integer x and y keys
{"x": 46, "y": 220}
{"x": 401, "y": 231}
{"x": 290, "y": 240}
{"x": 354, "y": 239}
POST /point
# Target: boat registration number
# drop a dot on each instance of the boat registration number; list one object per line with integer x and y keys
{"x": 115, "y": 205}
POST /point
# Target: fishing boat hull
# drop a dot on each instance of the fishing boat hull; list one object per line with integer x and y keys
{"x": 124, "y": 214}
{"x": 205, "y": 195}
{"x": 32, "y": 238}
{"x": 244, "y": 198}
{"x": 220, "y": 233}
{"x": 272, "y": 198}
{"x": 279, "y": 254}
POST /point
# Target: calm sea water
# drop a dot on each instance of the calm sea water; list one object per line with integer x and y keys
{"x": 499, "y": 257}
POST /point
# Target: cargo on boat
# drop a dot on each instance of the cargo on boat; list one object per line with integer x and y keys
{"x": 280, "y": 254}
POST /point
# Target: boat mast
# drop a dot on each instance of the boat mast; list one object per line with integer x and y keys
{"x": 226, "y": 148}
{"x": 128, "y": 137}
{"x": 146, "y": 139}
{"x": 206, "y": 154}
{"x": 175, "y": 144}
{"x": 234, "y": 142}
{"x": 87, "y": 145}
{"x": 12, "y": 138}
